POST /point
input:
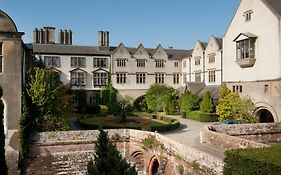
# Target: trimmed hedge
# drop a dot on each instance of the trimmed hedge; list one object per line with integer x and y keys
{"x": 172, "y": 123}
{"x": 253, "y": 161}
{"x": 200, "y": 116}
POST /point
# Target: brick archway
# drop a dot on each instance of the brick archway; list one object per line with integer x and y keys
{"x": 153, "y": 166}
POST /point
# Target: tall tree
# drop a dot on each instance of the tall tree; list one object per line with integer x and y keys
{"x": 3, "y": 164}
{"x": 207, "y": 104}
{"x": 108, "y": 160}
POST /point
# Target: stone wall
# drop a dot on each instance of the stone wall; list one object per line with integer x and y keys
{"x": 69, "y": 152}
{"x": 242, "y": 135}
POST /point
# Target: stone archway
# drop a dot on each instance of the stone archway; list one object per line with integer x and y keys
{"x": 140, "y": 103}
{"x": 265, "y": 113}
{"x": 153, "y": 167}
{"x": 264, "y": 116}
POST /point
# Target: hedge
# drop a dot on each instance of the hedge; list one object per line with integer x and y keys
{"x": 253, "y": 161}
{"x": 172, "y": 123}
{"x": 200, "y": 116}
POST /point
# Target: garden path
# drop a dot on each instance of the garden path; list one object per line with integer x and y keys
{"x": 189, "y": 134}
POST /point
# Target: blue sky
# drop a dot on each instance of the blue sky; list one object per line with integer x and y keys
{"x": 177, "y": 23}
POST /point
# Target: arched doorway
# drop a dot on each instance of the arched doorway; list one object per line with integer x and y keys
{"x": 265, "y": 116}
{"x": 154, "y": 166}
{"x": 140, "y": 103}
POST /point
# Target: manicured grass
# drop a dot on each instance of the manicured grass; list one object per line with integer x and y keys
{"x": 134, "y": 121}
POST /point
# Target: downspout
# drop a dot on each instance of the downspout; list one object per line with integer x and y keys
{"x": 221, "y": 66}
{"x": 204, "y": 67}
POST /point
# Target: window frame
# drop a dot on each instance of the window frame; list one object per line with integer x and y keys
{"x": 159, "y": 78}
{"x": 141, "y": 62}
{"x": 140, "y": 78}
{"x": 100, "y": 79}
{"x": 159, "y": 63}
{"x": 121, "y": 78}
{"x": 100, "y": 62}
{"x": 212, "y": 76}
{"x": 176, "y": 78}
{"x": 76, "y": 62}
{"x": 197, "y": 76}
{"x": 50, "y": 60}
{"x": 121, "y": 62}
{"x": 76, "y": 79}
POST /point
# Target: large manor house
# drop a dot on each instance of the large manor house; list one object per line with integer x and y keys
{"x": 247, "y": 58}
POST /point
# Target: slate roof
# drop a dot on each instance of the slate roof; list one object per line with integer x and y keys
{"x": 70, "y": 49}
{"x": 219, "y": 41}
{"x": 94, "y": 50}
{"x": 274, "y": 5}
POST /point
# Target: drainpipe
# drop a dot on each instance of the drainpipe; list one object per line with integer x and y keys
{"x": 221, "y": 66}
{"x": 204, "y": 66}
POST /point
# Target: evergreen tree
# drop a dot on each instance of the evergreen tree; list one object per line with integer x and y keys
{"x": 207, "y": 104}
{"x": 3, "y": 164}
{"x": 108, "y": 161}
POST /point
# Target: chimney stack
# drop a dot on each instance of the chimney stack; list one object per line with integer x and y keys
{"x": 103, "y": 39}
{"x": 35, "y": 35}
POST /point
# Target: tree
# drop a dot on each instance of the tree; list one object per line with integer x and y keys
{"x": 108, "y": 161}
{"x": 207, "y": 104}
{"x": 189, "y": 102}
{"x": 126, "y": 106}
{"x": 3, "y": 164}
{"x": 232, "y": 107}
{"x": 161, "y": 98}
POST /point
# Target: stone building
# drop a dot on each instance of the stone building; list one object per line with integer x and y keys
{"x": 252, "y": 54}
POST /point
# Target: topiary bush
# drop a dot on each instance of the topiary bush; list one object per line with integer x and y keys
{"x": 188, "y": 102}
{"x": 207, "y": 104}
{"x": 103, "y": 110}
{"x": 253, "y": 161}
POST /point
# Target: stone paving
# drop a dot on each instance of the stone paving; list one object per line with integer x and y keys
{"x": 189, "y": 134}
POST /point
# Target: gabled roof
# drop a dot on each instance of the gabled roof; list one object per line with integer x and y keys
{"x": 78, "y": 70}
{"x": 274, "y": 6}
{"x": 247, "y": 35}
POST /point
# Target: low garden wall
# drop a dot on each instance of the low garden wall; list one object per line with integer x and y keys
{"x": 235, "y": 136}
{"x": 62, "y": 139}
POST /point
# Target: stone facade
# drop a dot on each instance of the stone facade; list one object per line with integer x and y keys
{"x": 69, "y": 152}
{"x": 251, "y": 51}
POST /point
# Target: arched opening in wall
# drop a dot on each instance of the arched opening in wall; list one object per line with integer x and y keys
{"x": 138, "y": 160}
{"x": 5, "y": 117}
{"x": 265, "y": 116}
{"x": 154, "y": 166}
{"x": 140, "y": 103}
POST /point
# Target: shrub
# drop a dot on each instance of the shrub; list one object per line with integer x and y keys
{"x": 189, "y": 102}
{"x": 207, "y": 104}
{"x": 103, "y": 110}
{"x": 253, "y": 161}
{"x": 180, "y": 169}
{"x": 232, "y": 107}
{"x": 161, "y": 98}
{"x": 202, "y": 117}
{"x": 92, "y": 109}
{"x": 151, "y": 142}
{"x": 53, "y": 123}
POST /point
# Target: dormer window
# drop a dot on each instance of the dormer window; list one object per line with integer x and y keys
{"x": 245, "y": 49}
{"x": 248, "y": 15}
{"x": 159, "y": 63}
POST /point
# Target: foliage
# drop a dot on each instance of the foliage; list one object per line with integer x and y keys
{"x": 49, "y": 98}
{"x": 202, "y": 116}
{"x": 108, "y": 97}
{"x": 161, "y": 98}
{"x": 125, "y": 106}
{"x": 43, "y": 89}
{"x": 232, "y": 107}
{"x": 103, "y": 110}
{"x": 180, "y": 169}
{"x": 253, "y": 161}
{"x": 81, "y": 100}
{"x": 207, "y": 104}
{"x": 92, "y": 109}
{"x": 108, "y": 160}
{"x": 3, "y": 164}
{"x": 151, "y": 142}
{"x": 188, "y": 102}
{"x": 140, "y": 104}
{"x": 53, "y": 123}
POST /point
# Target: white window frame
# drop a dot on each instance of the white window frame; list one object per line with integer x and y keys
{"x": 176, "y": 78}
{"x": 99, "y": 62}
{"x": 141, "y": 62}
{"x": 212, "y": 76}
{"x": 78, "y": 62}
{"x": 197, "y": 76}
{"x": 78, "y": 78}
{"x": 52, "y": 61}
{"x": 100, "y": 79}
